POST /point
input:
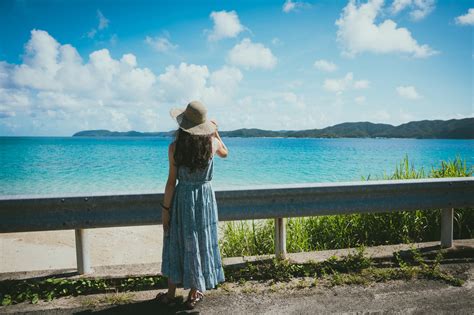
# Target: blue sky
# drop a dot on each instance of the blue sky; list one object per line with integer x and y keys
{"x": 67, "y": 66}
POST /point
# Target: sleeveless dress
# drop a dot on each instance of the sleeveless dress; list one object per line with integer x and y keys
{"x": 191, "y": 254}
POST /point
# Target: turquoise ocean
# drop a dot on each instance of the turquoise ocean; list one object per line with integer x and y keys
{"x": 88, "y": 166}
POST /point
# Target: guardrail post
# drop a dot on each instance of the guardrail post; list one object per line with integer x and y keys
{"x": 82, "y": 252}
{"x": 447, "y": 227}
{"x": 280, "y": 238}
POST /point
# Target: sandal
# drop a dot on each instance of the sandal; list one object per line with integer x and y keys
{"x": 191, "y": 303}
{"x": 163, "y": 299}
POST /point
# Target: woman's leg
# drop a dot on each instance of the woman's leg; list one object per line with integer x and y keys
{"x": 171, "y": 289}
{"x": 167, "y": 298}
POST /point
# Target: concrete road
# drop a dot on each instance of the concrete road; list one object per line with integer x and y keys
{"x": 395, "y": 297}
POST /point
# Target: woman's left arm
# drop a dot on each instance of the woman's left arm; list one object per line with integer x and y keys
{"x": 169, "y": 189}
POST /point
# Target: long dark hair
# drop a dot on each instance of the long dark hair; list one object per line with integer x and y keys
{"x": 193, "y": 151}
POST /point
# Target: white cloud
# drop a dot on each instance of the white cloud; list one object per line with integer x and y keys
{"x": 160, "y": 44}
{"x": 103, "y": 24}
{"x": 290, "y": 5}
{"x": 466, "y": 19}
{"x": 400, "y": 5}
{"x": 119, "y": 120}
{"x": 151, "y": 119}
{"x": 226, "y": 25}
{"x": 252, "y": 55}
{"x": 103, "y": 21}
{"x": 187, "y": 82}
{"x": 226, "y": 79}
{"x": 419, "y": 8}
{"x": 54, "y": 91}
{"x": 325, "y": 65}
{"x": 286, "y": 107}
{"x": 129, "y": 59}
{"x": 361, "y": 84}
{"x": 358, "y": 32}
{"x": 347, "y": 82}
{"x": 183, "y": 83}
{"x": 13, "y": 99}
{"x": 49, "y": 66}
{"x": 53, "y": 83}
{"x": 408, "y": 92}
{"x": 360, "y": 99}
{"x": 276, "y": 41}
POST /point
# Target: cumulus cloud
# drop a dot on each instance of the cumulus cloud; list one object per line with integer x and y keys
{"x": 419, "y": 9}
{"x": 347, "y": 82}
{"x": 54, "y": 83}
{"x": 226, "y": 25}
{"x": 252, "y": 55}
{"x": 12, "y": 100}
{"x": 160, "y": 44}
{"x": 325, "y": 65}
{"x": 466, "y": 19}
{"x": 184, "y": 82}
{"x": 358, "y": 32}
{"x": 49, "y": 66}
{"x": 290, "y": 6}
{"x": 187, "y": 81}
{"x": 408, "y": 92}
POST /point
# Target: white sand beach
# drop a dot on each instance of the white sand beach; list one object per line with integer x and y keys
{"x": 56, "y": 249}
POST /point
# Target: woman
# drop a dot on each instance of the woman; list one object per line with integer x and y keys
{"x": 189, "y": 211}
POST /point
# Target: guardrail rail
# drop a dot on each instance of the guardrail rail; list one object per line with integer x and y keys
{"x": 46, "y": 213}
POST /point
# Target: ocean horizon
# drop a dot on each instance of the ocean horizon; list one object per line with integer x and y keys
{"x": 76, "y": 165}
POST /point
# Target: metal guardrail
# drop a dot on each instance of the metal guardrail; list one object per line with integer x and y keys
{"x": 44, "y": 213}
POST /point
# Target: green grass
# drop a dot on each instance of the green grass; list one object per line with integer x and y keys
{"x": 356, "y": 268}
{"x": 351, "y": 269}
{"x": 33, "y": 290}
{"x": 245, "y": 238}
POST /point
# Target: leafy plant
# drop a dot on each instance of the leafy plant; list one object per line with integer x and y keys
{"x": 246, "y": 238}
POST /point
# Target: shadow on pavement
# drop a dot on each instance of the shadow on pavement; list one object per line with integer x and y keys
{"x": 145, "y": 307}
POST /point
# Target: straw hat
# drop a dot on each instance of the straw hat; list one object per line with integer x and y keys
{"x": 193, "y": 119}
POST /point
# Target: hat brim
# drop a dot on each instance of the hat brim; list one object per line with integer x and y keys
{"x": 205, "y": 128}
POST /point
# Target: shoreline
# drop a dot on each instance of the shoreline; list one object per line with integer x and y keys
{"x": 52, "y": 250}
{"x": 47, "y": 250}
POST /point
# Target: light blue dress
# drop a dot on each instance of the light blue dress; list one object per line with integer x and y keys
{"x": 191, "y": 254}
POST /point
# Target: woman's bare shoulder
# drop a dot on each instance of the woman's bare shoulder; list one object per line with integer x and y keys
{"x": 172, "y": 147}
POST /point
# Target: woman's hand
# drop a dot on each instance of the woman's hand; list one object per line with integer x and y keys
{"x": 165, "y": 218}
{"x": 216, "y": 133}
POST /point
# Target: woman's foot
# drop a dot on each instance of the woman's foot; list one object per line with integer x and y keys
{"x": 166, "y": 299}
{"x": 193, "y": 299}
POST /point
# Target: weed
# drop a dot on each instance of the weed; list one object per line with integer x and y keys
{"x": 249, "y": 238}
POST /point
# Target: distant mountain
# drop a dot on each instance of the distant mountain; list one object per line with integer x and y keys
{"x": 424, "y": 129}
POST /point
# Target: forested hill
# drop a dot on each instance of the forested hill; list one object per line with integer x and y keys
{"x": 428, "y": 129}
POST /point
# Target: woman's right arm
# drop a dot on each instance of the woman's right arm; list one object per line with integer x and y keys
{"x": 169, "y": 188}
{"x": 222, "y": 150}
